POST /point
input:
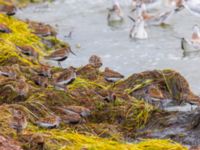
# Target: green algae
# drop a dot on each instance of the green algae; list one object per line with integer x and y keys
{"x": 20, "y": 35}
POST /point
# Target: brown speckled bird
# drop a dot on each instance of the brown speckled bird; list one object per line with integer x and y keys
{"x": 60, "y": 55}
{"x": 66, "y": 77}
{"x": 9, "y": 71}
{"x": 29, "y": 51}
{"x": 40, "y": 80}
{"x": 49, "y": 122}
{"x": 95, "y": 61}
{"x": 45, "y": 71}
{"x": 68, "y": 116}
{"x": 112, "y": 76}
{"x": 84, "y": 112}
{"x": 20, "y": 87}
{"x": 9, "y": 10}
{"x": 37, "y": 142}
{"x": 18, "y": 121}
{"x": 106, "y": 95}
{"x": 4, "y": 28}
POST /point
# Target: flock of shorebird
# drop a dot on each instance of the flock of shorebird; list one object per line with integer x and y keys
{"x": 70, "y": 114}
{"x": 145, "y": 14}
{"x": 73, "y": 114}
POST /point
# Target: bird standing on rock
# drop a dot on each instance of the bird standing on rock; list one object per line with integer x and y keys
{"x": 60, "y": 55}
{"x": 84, "y": 112}
{"x": 18, "y": 121}
{"x": 49, "y": 122}
{"x": 111, "y": 75}
{"x": 66, "y": 77}
{"x": 95, "y": 61}
{"x": 29, "y": 51}
{"x": 4, "y": 29}
{"x": 20, "y": 87}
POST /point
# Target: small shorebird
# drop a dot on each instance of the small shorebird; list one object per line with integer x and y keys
{"x": 66, "y": 77}
{"x": 40, "y": 80}
{"x": 193, "y": 44}
{"x": 82, "y": 111}
{"x": 111, "y": 75}
{"x": 154, "y": 19}
{"x": 41, "y": 29}
{"x": 4, "y": 28}
{"x": 49, "y": 122}
{"x": 37, "y": 142}
{"x": 9, "y": 71}
{"x": 106, "y": 95}
{"x": 138, "y": 30}
{"x": 150, "y": 4}
{"x": 68, "y": 116}
{"x": 9, "y": 10}
{"x": 193, "y": 6}
{"x": 18, "y": 121}
{"x": 60, "y": 55}
{"x": 175, "y": 3}
{"x": 29, "y": 51}
{"x": 95, "y": 61}
{"x": 44, "y": 70}
{"x": 115, "y": 13}
{"x": 20, "y": 87}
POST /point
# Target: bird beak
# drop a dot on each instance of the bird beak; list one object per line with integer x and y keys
{"x": 132, "y": 18}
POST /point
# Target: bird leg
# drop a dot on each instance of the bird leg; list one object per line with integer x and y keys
{"x": 59, "y": 64}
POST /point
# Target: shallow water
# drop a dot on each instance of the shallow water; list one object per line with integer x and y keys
{"x": 87, "y": 18}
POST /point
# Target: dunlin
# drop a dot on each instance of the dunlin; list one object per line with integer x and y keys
{"x": 41, "y": 29}
{"x": 154, "y": 19}
{"x": 68, "y": 116}
{"x": 111, "y": 75}
{"x": 9, "y": 71}
{"x": 37, "y": 142}
{"x": 82, "y": 111}
{"x": 9, "y": 10}
{"x": 66, "y": 77}
{"x": 193, "y": 44}
{"x": 106, "y": 95}
{"x": 150, "y": 4}
{"x": 44, "y": 70}
{"x": 138, "y": 30}
{"x": 29, "y": 51}
{"x": 20, "y": 87}
{"x": 4, "y": 28}
{"x": 49, "y": 122}
{"x": 40, "y": 80}
{"x": 18, "y": 121}
{"x": 115, "y": 14}
{"x": 60, "y": 55}
{"x": 95, "y": 61}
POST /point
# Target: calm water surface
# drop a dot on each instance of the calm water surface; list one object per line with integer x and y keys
{"x": 87, "y": 18}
